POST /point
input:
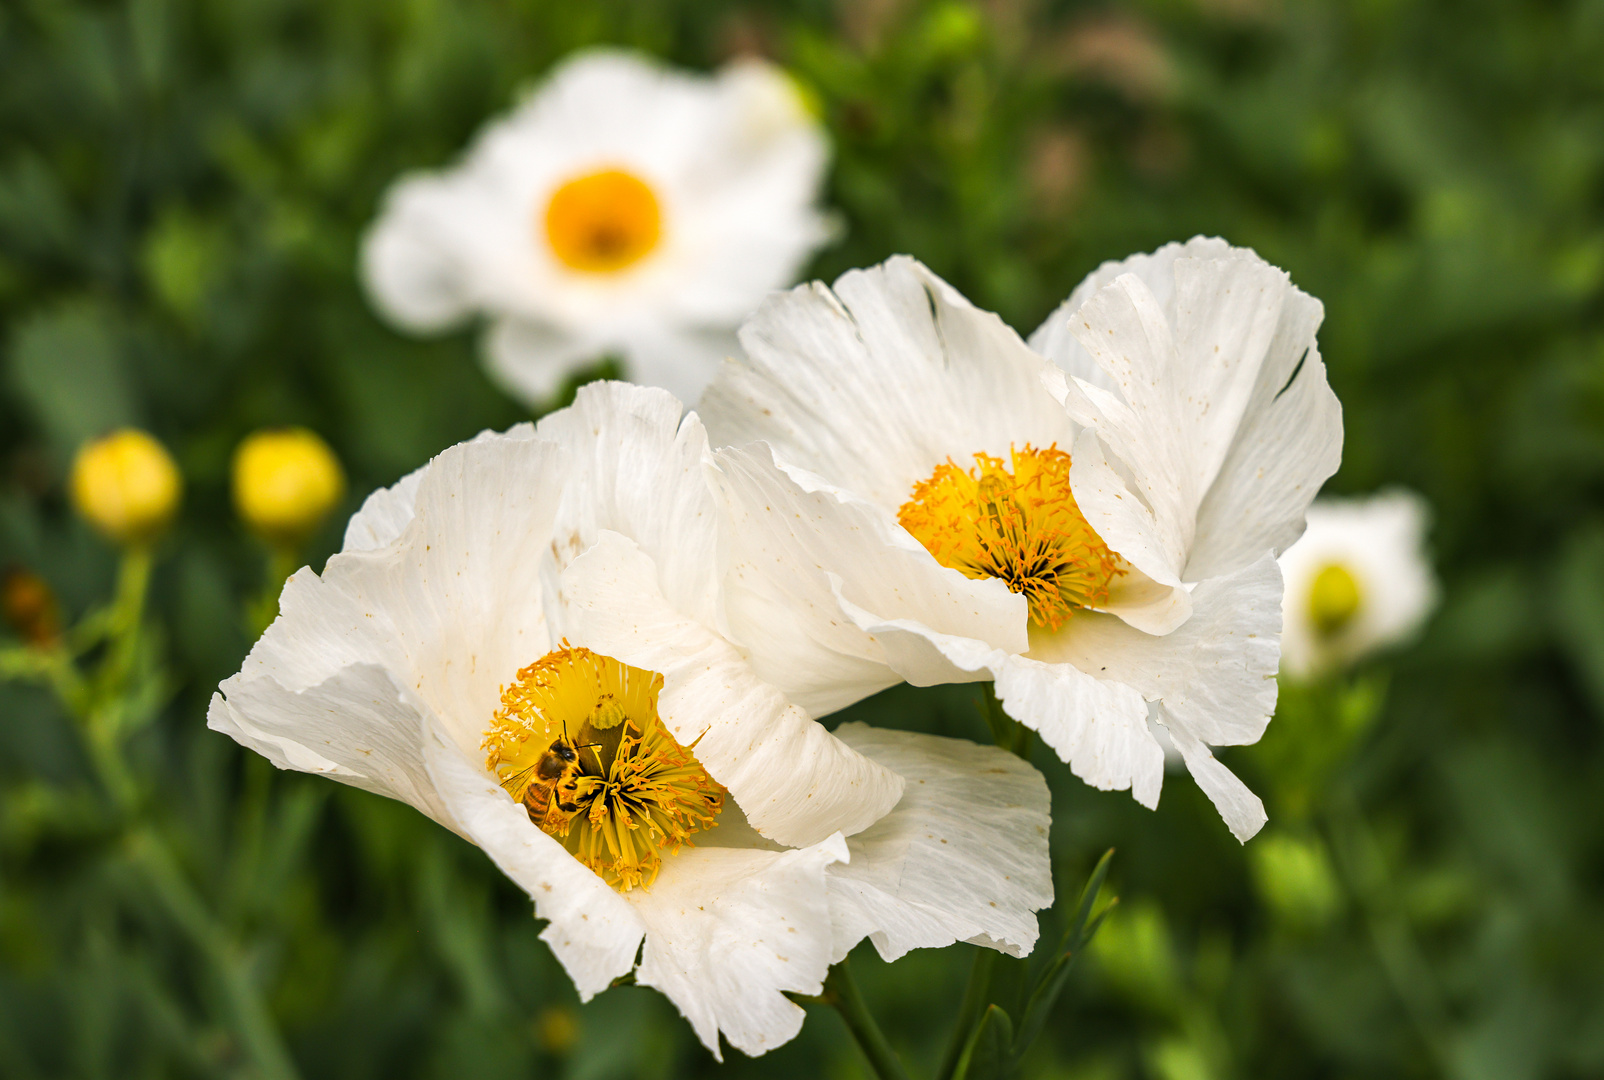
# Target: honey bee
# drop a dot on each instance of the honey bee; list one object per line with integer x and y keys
{"x": 553, "y": 793}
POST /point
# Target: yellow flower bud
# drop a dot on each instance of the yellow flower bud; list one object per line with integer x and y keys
{"x": 285, "y": 483}
{"x": 1334, "y": 598}
{"x": 557, "y": 1030}
{"x": 126, "y": 485}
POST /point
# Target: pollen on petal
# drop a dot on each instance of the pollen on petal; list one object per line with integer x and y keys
{"x": 578, "y": 741}
{"x": 603, "y": 222}
{"x": 1016, "y": 521}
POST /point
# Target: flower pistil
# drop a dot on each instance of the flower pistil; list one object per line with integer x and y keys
{"x": 1016, "y": 521}
{"x": 578, "y": 741}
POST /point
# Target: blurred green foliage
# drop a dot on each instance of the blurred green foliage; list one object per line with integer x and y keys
{"x": 182, "y": 187}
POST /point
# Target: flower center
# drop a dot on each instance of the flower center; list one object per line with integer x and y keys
{"x": 1017, "y": 523}
{"x": 604, "y": 221}
{"x": 1334, "y": 599}
{"x": 578, "y": 742}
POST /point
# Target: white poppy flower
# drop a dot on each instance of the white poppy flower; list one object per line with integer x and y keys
{"x": 520, "y": 640}
{"x": 1090, "y": 520}
{"x": 622, "y": 208}
{"x": 1358, "y": 581}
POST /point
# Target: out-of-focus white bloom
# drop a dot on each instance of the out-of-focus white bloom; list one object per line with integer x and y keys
{"x": 520, "y": 640}
{"x": 1099, "y": 537}
{"x": 1358, "y": 581}
{"x": 623, "y": 208}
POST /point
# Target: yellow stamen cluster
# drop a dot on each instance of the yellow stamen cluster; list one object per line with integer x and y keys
{"x": 603, "y": 222}
{"x": 1016, "y": 521}
{"x": 578, "y": 742}
{"x": 1334, "y": 599}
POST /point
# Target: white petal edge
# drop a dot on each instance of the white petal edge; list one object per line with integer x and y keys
{"x": 875, "y": 382}
{"x": 1242, "y": 810}
{"x": 1096, "y": 725}
{"x": 731, "y": 931}
{"x": 963, "y": 856}
{"x": 638, "y": 469}
{"x": 798, "y": 553}
{"x": 795, "y": 782}
{"x": 594, "y": 932}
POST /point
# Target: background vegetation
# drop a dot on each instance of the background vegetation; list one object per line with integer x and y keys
{"x": 182, "y": 187}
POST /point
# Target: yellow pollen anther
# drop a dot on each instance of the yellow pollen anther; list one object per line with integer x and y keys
{"x": 1334, "y": 599}
{"x": 578, "y": 742}
{"x": 1018, "y": 524}
{"x": 603, "y": 222}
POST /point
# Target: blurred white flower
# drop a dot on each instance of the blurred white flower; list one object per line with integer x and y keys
{"x": 956, "y": 537}
{"x": 1358, "y": 581}
{"x": 520, "y": 640}
{"x": 622, "y": 208}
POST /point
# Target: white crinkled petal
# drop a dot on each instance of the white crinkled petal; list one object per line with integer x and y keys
{"x": 1243, "y": 812}
{"x": 1142, "y": 424}
{"x": 921, "y": 655}
{"x": 386, "y": 512}
{"x": 356, "y": 726}
{"x": 1097, "y": 725}
{"x": 963, "y": 856}
{"x": 422, "y": 627}
{"x": 638, "y": 470}
{"x": 455, "y": 604}
{"x": 594, "y": 932}
{"x": 730, "y": 931}
{"x": 1210, "y": 388}
{"x": 1227, "y": 312}
{"x": 384, "y": 515}
{"x": 795, "y": 781}
{"x": 874, "y": 384}
{"x": 1152, "y": 599}
{"x": 1053, "y": 339}
{"x": 797, "y": 556}
{"x": 1215, "y": 675}
{"x": 1289, "y": 443}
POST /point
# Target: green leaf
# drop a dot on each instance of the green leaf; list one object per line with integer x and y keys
{"x": 1050, "y": 983}
{"x": 67, "y": 366}
{"x": 1579, "y": 609}
{"x": 989, "y": 1055}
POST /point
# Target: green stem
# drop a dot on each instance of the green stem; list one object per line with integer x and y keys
{"x": 282, "y": 561}
{"x": 841, "y": 990}
{"x": 1006, "y": 732}
{"x": 976, "y": 995}
{"x": 99, "y": 705}
{"x": 1397, "y": 950}
{"x": 259, "y": 1035}
{"x": 102, "y": 709}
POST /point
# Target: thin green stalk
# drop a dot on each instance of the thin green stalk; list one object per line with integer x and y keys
{"x": 1396, "y": 948}
{"x": 99, "y": 705}
{"x": 258, "y": 1033}
{"x": 841, "y": 991}
{"x": 127, "y": 616}
{"x": 282, "y": 561}
{"x": 976, "y": 996}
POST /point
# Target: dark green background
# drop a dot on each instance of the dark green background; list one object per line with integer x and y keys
{"x": 182, "y": 188}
